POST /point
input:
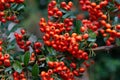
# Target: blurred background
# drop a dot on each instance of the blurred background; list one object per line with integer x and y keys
{"x": 107, "y": 64}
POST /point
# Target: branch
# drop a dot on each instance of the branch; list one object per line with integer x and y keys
{"x": 102, "y": 48}
{"x": 31, "y": 62}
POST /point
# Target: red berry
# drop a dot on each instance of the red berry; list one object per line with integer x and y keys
{"x": 6, "y": 56}
{"x": 85, "y": 36}
{"x": 23, "y": 31}
{"x": 118, "y": 27}
{"x": 0, "y": 48}
{"x": 7, "y": 62}
{"x": 82, "y": 70}
{"x": 59, "y": 13}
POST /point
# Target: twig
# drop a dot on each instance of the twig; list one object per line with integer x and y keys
{"x": 102, "y": 48}
{"x": 31, "y": 62}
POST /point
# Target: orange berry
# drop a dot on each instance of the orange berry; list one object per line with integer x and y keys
{"x": 82, "y": 70}
{"x": 108, "y": 25}
{"x": 85, "y": 36}
{"x": 82, "y": 29}
{"x": 118, "y": 27}
{"x": 74, "y": 34}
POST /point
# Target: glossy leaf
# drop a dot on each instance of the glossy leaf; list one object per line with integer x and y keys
{"x": 26, "y": 58}
{"x": 35, "y": 70}
{"x": 17, "y": 66}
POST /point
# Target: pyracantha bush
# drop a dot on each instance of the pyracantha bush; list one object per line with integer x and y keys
{"x": 69, "y": 41}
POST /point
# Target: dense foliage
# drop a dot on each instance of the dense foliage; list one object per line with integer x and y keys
{"x": 70, "y": 40}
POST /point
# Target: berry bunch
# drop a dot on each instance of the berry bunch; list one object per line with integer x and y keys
{"x": 19, "y": 76}
{"x": 63, "y": 42}
{"x": 57, "y": 68}
{"x": 66, "y": 6}
{"x": 54, "y": 9}
{"x": 68, "y": 41}
{"x": 7, "y": 14}
{"x": 32, "y": 57}
{"x": 37, "y": 47}
{"x": 58, "y": 35}
{"x": 98, "y": 21}
{"x": 22, "y": 40}
{"x": 62, "y": 70}
{"x": 4, "y": 59}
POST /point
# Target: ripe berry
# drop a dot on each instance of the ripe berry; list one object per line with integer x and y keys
{"x": 82, "y": 70}
{"x": 70, "y": 4}
{"x": 59, "y": 13}
{"x": 7, "y": 62}
{"x": 0, "y": 48}
{"x": 73, "y": 65}
{"x": 6, "y": 56}
{"x": 0, "y": 54}
{"x": 50, "y": 13}
{"x": 63, "y": 4}
{"x": 2, "y": 13}
{"x": 118, "y": 27}
{"x": 85, "y": 36}
{"x": 53, "y": 3}
{"x": 28, "y": 43}
{"x": 23, "y": 31}
{"x": 82, "y": 29}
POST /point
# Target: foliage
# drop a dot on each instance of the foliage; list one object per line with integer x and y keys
{"x": 68, "y": 45}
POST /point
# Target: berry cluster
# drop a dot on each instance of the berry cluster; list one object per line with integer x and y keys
{"x": 4, "y": 59}
{"x": 24, "y": 43}
{"x": 111, "y": 34}
{"x": 22, "y": 40}
{"x": 98, "y": 21}
{"x": 57, "y": 35}
{"x": 32, "y": 57}
{"x": 66, "y": 6}
{"x": 63, "y": 42}
{"x": 62, "y": 70}
{"x": 53, "y": 9}
{"x": 57, "y": 68}
{"x": 37, "y": 47}
{"x": 10, "y": 15}
{"x": 19, "y": 76}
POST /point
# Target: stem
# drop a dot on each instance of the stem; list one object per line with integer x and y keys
{"x": 102, "y": 48}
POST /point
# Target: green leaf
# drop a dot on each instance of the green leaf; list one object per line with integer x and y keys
{"x": 51, "y": 51}
{"x": 17, "y": 67}
{"x": 41, "y": 56}
{"x": 18, "y": 54}
{"x": 91, "y": 39}
{"x": 20, "y": 7}
{"x": 13, "y": 6}
{"x": 29, "y": 68}
{"x": 118, "y": 1}
{"x": 92, "y": 36}
{"x": 77, "y": 25}
{"x": 66, "y": 15}
{"x": 63, "y": 10}
{"x": 26, "y": 58}
{"x": 118, "y": 41}
{"x": 51, "y": 58}
{"x": 48, "y": 59}
{"x": 8, "y": 69}
{"x": 35, "y": 70}
{"x": 11, "y": 47}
